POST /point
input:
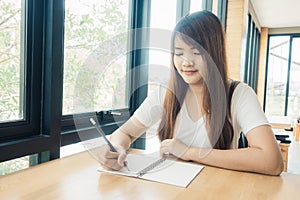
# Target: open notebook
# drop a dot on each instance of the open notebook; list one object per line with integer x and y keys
{"x": 158, "y": 169}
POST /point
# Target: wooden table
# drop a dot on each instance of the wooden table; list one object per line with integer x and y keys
{"x": 284, "y": 147}
{"x": 296, "y": 131}
{"x": 280, "y": 122}
{"x": 75, "y": 177}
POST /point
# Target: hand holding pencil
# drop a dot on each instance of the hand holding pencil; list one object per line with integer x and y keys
{"x": 111, "y": 157}
{"x": 110, "y": 160}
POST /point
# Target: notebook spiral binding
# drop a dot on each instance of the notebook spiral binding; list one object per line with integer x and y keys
{"x": 150, "y": 167}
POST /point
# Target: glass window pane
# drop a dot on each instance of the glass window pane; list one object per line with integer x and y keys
{"x": 195, "y": 5}
{"x": 11, "y": 56}
{"x": 277, "y": 75}
{"x": 294, "y": 90}
{"x": 159, "y": 57}
{"x": 162, "y": 22}
{"x": 14, "y": 165}
{"x": 88, "y": 25}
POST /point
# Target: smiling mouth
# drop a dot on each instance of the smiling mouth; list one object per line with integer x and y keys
{"x": 189, "y": 72}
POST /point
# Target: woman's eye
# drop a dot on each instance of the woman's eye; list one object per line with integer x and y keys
{"x": 197, "y": 53}
{"x": 178, "y": 54}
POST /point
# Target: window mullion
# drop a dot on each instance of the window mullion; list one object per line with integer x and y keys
{"x": 53, "y": 74}
{"x": 183, "y": 8}
{"x": 138, "y": 60}
{"x": 222, "y": 9}
{"x": 207, "y": 5}
{"x": 288, "y": 77}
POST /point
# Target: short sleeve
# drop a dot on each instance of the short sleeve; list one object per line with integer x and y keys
{"x": 246, "y": 109}
{"x": 150, "y": 111}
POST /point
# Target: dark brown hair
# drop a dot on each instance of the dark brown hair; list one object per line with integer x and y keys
{"x": 204, "y": 31}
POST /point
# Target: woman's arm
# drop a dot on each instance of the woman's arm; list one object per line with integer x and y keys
{"x": 128, "y": 133}
{"x": 148, "y": 113}
{"x": 121, "y": 140}
{"x": 145, "y": 116}
{"x": 262, "y": 156}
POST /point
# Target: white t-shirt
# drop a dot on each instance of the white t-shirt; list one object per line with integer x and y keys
{"x": 246, "y": 114}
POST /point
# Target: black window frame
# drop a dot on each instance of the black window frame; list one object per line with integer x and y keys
{"x": 252, "y": 54}
{"x": 27, "y": 126}
{"x": 182, "y": 8}
{"x": 222, "y": 12}
{"x": 40, "y": 130}
{"x": 139, "y": 18}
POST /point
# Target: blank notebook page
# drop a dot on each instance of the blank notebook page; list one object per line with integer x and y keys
{"x": 169, "y": 171}
{"x": 174, "y": 173}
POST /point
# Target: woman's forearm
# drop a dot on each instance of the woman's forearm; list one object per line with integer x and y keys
{"x": 128, "y": 133}
{"x": 121, "y": 139}
{"x": 245, "y": 159}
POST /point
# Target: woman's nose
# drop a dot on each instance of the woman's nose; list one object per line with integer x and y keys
{"x": 188, "y": 61}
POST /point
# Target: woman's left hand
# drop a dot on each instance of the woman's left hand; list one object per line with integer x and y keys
{"x": 175, "y": 147}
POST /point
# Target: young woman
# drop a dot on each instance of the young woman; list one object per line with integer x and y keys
{"x": 196, "y": 122}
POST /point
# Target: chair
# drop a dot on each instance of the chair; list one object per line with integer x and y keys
{"x": 243, "y": 143}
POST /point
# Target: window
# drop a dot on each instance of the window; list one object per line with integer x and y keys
{"x": 283, "y": 68}
{"x": 20, "y": 94}
{"x": 195, "y": 5}
{"x": 294, "y": 82}
{"x": 252, "y": 52}
{"x": 33, "y": 26}
{"x": 14, "y": 165}
{"x": 101, "y": 53}
{"x": 89, "y": 26}
{"x": 277, "y": 75}
{"x": 11, "y": 60}
{"x": 90, "y": 88}
{"x": 161, "y": 24}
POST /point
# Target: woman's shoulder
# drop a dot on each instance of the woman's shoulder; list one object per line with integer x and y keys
{"x": 243, "y": 89}
{"x": 243, "y": 93}
{"x": 245, "y": 100}
{"x": 157, "y": 93}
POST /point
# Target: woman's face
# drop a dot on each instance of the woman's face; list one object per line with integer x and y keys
{"x": 189, "y": 62}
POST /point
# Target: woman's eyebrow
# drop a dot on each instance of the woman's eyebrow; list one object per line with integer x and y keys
{"x": 179, "y": 48}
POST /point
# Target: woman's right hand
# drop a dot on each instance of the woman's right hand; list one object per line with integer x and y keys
{"x": 112, "y": 160}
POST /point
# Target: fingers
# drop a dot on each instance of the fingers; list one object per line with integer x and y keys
{"x": 165, "y": 143}
{"x": 106, "y": 153}
{"x": 121, "y": 158}
{"x": 111, "y": 160}
{"x": 111, "y": 164}
{"x": 174, "y": 147}
{"x": 165, "y": 147}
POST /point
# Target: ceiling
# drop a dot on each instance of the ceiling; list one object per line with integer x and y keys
{"x": 277, "y": 13}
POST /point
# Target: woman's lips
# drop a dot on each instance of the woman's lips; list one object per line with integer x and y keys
{"x": 189, "y": 72}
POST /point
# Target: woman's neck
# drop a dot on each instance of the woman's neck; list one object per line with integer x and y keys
{"x": 197, "y": 91}
{"x": 194, "y": 102}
